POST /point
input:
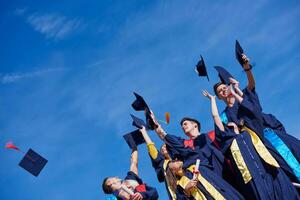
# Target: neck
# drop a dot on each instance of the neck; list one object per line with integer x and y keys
{"x": 194, "y": 133}
{"x": 230, "y": 101}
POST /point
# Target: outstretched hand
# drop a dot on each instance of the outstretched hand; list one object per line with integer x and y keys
{"x": 208, "y": 95}
{"x": 246, "y": 62}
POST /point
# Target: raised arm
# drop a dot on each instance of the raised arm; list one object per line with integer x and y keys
{"x": 214, "y": 110}
{"x": 247, "y": 69}
{"x": 134, "y": 162}
{"x": 159, "y": 130}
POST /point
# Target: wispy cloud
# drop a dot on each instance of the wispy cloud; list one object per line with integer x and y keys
{"x": 52, "y": 25}
{"x": 11, "y": 78}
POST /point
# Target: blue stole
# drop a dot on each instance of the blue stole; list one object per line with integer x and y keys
{"x": 224, "y": 118}
{"x": 283, "y": 150}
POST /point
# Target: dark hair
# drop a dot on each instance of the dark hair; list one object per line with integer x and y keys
{"x": 193, "y": 120}
{"x": 106, "y": 189}
{"x": 216, "y": 87}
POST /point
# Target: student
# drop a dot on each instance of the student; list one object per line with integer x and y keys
{"x": 132, "y": 182}
{"x": 184, "y": 154}
{"x": 254, "y": 178}
{"x": 239, "y": 111}
{"x": 160, "y": 160}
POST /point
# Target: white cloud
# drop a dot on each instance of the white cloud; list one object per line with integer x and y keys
{"x": 11, "y": 78}
{"x": 53, "y": 26}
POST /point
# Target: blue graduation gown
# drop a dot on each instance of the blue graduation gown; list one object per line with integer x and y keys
{"x": 150, "y": 193}
{"x": 224, "y": 188}
{"x": 249, "y": 110}
{"x": 157, "y": 164}
{"x": 263, "y": 184}
{"x": 204, "y": 149}
{"x": 211, "y": 160}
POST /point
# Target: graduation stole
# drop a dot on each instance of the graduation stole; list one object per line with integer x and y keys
{"x": 260, "y": 148}
{"x": 195, "y": 192}
{"x": 239, "y": 160}
{"x": 170, "y": 188}
{"x": 154, "y": 153}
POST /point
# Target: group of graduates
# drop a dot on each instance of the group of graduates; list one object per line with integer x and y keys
{"x": 248, "y": 156}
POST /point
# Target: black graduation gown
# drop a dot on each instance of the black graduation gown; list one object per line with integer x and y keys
{"x": 208, "y": 156}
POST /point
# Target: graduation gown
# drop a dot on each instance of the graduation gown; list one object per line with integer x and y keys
{"x": 211, "y": 160}
{"x": 253, "y": 178}
{"x": 160, "y": 164}
{"x": 148, "y": 193}
{"x": 250, "y": 111}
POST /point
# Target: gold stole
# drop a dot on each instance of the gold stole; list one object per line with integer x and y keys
{"x": 195, "y": 192}
{"x": 260, "y": 149}
{"x": 171, "y": 190}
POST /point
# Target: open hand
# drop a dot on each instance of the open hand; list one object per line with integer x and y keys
{"x": 209, "y": 96}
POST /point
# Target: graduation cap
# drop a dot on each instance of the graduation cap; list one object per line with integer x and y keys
{"x": 134, "y": 139}
{"x": 224, "y": 75}
{"x": 139, "y": 103}
{"x": 201, "y": 68}
{"x": 137, "y": 122}
{"x": 33, "y": 162}
{"x": 238, "y": 53}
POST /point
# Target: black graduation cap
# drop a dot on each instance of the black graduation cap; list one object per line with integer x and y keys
{"x": 201, "y": 68}
{"x": 137, "y": 122}
{"x": 150, "y": 123}
{"x": 224, "y": 75}
{"x": 33, "y": 162}
{"x": 139, "y": 104}
{"x": 238, "y": 53}
{"x": 134, "y": 138}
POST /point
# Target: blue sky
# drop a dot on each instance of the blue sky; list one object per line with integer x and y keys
{"x": 68, "y": 70}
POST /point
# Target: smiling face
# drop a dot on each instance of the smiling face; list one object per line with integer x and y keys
{"x": 114, "y": 183}
{"x": 222, "y": 91}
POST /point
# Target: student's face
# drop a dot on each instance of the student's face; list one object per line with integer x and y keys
{"x": 188, "y": 127}
{"x": 163, "y": 150}
{"x": 114, "y": 183}
{"x": 222, "y": 91}
{"x": 175, "y": 166}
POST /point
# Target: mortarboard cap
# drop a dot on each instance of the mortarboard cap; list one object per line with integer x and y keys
{"x": 238, "y": 52}
{"x": 224, "y": 75}
{"x": 139, "y": 103}
{"x": 150, "y": 123}
{"x": 33, "y": 162}
{"x": 134, "y": 138}
{"x": 137, "y": 122}
{"x": 201, "y": 68}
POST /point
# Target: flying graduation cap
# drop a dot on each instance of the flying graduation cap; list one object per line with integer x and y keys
{"x": 238, "y": 53}
{"x": 137, "y": 122}
{"x": 133, "y": 139}
{"x": 201, "y": 68}
{"x": 224, "y": 75}
{"x": 31, "y": 162}
{"x": 140, "y": 104}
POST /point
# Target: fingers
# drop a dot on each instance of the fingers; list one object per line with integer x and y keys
{"x": 205, "y": 93}
{"x": 137, "y": 196}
